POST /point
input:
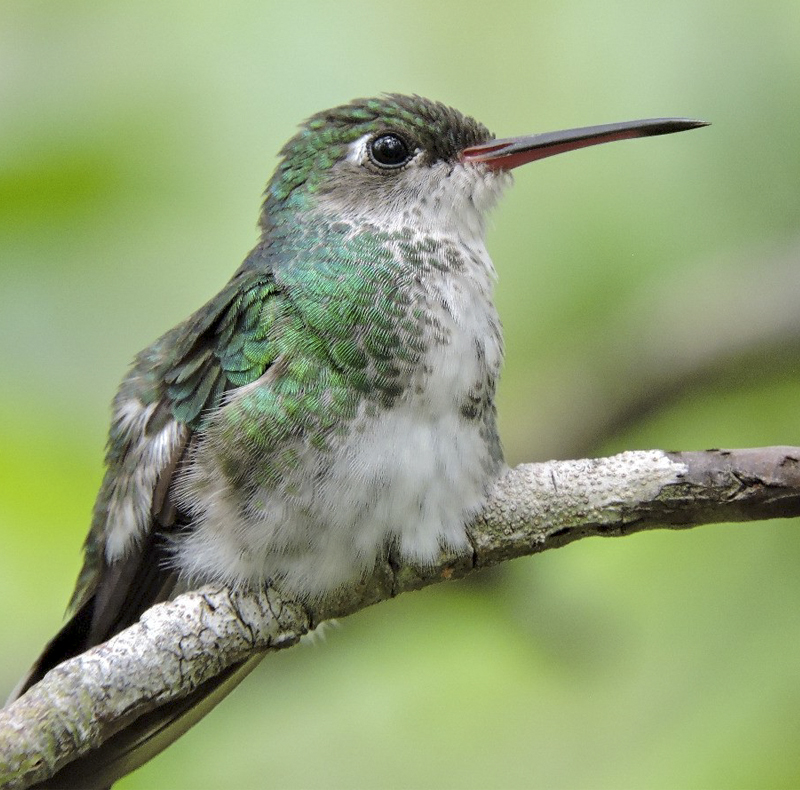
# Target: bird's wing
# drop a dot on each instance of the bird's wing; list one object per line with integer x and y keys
{"x": 160, "y": 408}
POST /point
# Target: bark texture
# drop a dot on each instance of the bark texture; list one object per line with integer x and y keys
{"x": 179, "y": 645}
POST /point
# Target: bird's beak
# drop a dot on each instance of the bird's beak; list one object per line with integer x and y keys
{"x": 515, "y": 151}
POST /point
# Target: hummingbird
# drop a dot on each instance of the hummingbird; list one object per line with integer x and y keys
{"x": 335, "y": 401}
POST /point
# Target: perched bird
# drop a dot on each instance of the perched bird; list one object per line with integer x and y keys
{"x": 334, "y": 400}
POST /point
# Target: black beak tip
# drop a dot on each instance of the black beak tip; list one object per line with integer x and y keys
{"x": 670, "y": 125}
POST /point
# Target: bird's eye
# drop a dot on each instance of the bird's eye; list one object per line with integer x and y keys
{"x": 389, "y": 151}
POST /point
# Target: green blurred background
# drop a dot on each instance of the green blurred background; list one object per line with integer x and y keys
{"x": 650, "y": 292}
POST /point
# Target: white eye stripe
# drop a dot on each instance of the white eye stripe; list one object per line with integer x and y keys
{"x": 358, "y": 150}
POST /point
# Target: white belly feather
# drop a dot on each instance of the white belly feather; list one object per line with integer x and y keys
{"x": 410, "y": 476}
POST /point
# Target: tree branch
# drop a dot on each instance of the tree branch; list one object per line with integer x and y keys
{"x": 179, "y": 645}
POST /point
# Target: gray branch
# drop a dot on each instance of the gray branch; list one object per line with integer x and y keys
{"x": 177, "y": 646}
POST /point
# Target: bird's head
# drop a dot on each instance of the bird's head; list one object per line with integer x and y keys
{"x": 398, "y": 160}
{"x": 388, "y": 161}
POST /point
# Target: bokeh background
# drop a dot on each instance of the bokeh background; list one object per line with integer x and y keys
{"x": 650, "y": 292}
